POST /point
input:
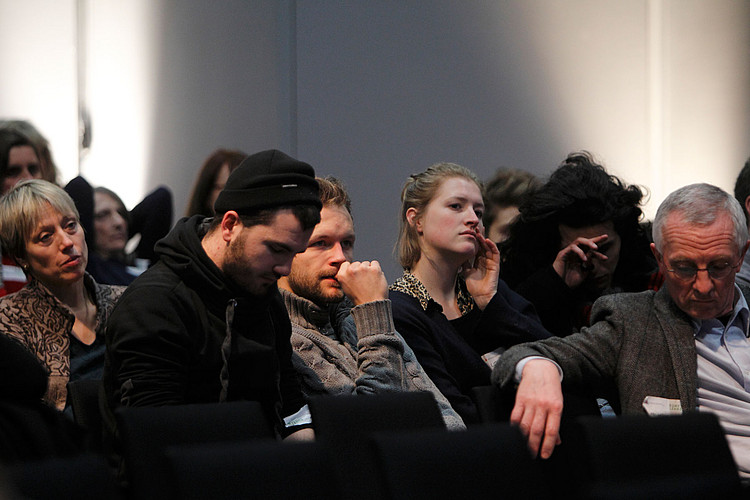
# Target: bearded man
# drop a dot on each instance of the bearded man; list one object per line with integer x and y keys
{"x": 343, "y": 335}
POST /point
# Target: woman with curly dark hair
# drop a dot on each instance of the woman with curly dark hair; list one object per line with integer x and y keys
{"x": 576, "y": 238}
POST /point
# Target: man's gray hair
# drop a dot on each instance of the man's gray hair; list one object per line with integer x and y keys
{"x": 700, "y": 204}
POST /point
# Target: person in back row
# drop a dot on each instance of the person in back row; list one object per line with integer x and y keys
{"x": 19, "y": 160}
{"x": 577, "y": 237}
{"x": 742, "y": 195}
{"x": 211, "y": 179}
{"x": 109, "y": 226}
{"x": 206, "y": 323}
{"x": 449, "y": 305}
{"x": 343, "y": 336}
{"x": 503, "y": 194}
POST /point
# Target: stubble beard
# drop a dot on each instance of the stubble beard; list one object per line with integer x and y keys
{"x": 312, "y": 289}
{"x": 237, "y": 271}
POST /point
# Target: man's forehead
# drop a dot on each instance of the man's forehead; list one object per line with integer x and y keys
{"x": 717, "y": 235}
{"x": 334, "y": 219}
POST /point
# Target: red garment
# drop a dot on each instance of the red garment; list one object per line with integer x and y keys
{"x": 13, "y": 276}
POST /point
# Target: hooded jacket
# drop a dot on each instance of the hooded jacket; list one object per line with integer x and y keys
{"x": 183, "y": 333}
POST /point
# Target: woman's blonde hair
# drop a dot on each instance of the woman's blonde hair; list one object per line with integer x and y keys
{"x": 21, "y": 208}
{"x": 417, "y": 193}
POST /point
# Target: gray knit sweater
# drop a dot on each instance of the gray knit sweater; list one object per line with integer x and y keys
{"x": 355, "y": 350}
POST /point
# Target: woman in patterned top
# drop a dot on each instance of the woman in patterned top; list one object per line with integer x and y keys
{"x": 450, "y": 305}
{"x": 61, "y": 314}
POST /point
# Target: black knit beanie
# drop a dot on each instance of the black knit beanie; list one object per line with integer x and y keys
{"x": 265, "y": 180}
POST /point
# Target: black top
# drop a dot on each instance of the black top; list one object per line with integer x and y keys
{"x": 451, "y": 351}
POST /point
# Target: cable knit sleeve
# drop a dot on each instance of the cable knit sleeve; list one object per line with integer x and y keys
{"x": 380, "y": 353}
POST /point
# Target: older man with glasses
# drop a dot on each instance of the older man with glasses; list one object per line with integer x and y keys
{"x": 683, "y": 348}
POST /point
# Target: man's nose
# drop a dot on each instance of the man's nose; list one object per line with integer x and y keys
{"x": 284, "y": 267}
{"x": 337, "y": 255}
{"x": 703, "y": 283}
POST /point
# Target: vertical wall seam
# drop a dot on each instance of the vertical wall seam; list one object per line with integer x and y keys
{"x": 655, "y": 100}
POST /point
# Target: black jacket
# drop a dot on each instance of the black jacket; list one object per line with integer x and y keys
{"x": 450, "y": 351}
{"x": 166, "y": 336}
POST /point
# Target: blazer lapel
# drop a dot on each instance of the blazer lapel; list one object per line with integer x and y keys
{"x": 679, "y": 337}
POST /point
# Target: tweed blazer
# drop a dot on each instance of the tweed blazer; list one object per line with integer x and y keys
{"x": 640, "y": 343}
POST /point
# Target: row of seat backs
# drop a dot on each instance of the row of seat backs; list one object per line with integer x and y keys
{"x": 358, "y": 454}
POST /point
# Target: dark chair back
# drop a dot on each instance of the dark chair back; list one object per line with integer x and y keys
{"x": 684, "y": 456}
{"x": 488, "y": 461}
{"x": 145, "y": 434}
{"x": 76, "y": 477}
{"x": 253, "y": 469}
{"x": 344, "y": 424}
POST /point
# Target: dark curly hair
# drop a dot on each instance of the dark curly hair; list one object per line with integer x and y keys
{"x": 742, "y": 186}
{"x": 579, "y": 193}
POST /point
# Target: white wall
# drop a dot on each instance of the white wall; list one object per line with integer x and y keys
{"x": 371, "y": 91}
{"x": 38, "y": 63}
{"x": 658, "y": 90}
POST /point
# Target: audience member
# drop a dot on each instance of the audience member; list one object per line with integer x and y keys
{"x": 61, "y": 314}
{"x": 742, "y": 194}
{"x": 343, "y": 336}
{"x": 41, "y": 145}
{"x": 109, "y": 227}
{"x": 450, "y": 305}
{"x": 503, "y": 194}
{"x": 19, "y": 160}
{"x": 682, "y": 348}
{"x": 206, "y": 323}
{"x": 211, "y": 179}
{"x": 577, "y": 237}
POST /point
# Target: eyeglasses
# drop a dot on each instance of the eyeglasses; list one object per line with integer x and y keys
{"x": 717, "y": 271}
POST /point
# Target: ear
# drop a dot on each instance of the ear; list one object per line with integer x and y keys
{"x": 743, "y": 253}
{"x": 412, "y": 217}
{"x": 21, "y": 262}
{"x": 747, "y": 206}
{"x": 231, "y": 225}
{"x": 657, "y": 255}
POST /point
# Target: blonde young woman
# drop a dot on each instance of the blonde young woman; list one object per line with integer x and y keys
{"x": 61, "y": 313}
{"x": 450, "y": 305}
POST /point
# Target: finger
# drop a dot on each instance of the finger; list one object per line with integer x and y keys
{"x": 537, "y": 434}
{"x": 575, "y": 251}
{"x": 551, "y": 435}
{"x": 600, "y": 238}
{"x": 598, "y": 255}
{"x": 587, "y": 244}
{"x": 492, "y": 246}
{"x": 344, "y": 268}
{"x": 516, "y": 415}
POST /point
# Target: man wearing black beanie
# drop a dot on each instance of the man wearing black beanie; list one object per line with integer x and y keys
{"x": 206, "y": 323}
